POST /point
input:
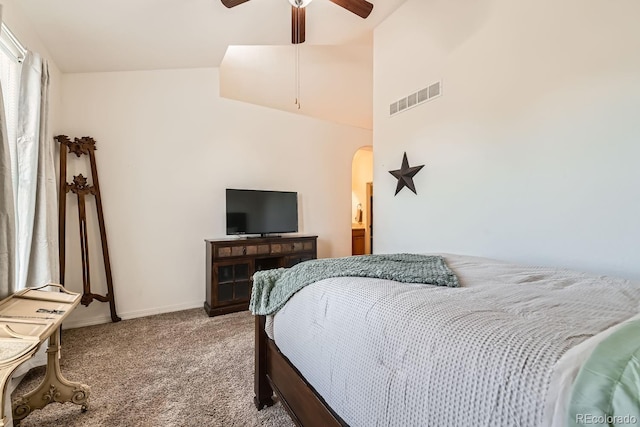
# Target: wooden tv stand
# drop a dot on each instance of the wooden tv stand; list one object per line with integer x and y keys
{"x": 232, "y": 262}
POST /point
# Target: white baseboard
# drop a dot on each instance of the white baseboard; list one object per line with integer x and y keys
{"x": 98, "y": 320}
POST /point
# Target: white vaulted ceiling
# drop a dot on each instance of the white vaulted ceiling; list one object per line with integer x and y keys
{"x": 335, "y": 82}
{"x": 115, "y": 35}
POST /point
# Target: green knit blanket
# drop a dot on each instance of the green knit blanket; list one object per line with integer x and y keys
{"x": 273, "y": 288}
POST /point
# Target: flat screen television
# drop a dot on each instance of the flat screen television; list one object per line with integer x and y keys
{"x": 261, "y": 212}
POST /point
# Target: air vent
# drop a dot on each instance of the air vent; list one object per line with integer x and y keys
{"x": 412, "y": 100}
{"x": 423, "y": 95}
{"x": 434, "y": 90}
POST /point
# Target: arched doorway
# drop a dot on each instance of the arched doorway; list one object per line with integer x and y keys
{"x": 362, "y": 201}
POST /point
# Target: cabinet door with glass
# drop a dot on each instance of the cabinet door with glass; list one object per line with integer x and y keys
{"x": 233, "y": 282}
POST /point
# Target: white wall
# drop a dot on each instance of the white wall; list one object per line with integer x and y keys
{"x": 168, "y": 146}
{"x": 532, "y": 151}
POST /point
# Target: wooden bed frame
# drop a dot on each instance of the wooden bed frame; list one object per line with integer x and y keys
{"x": 275, "y": 374}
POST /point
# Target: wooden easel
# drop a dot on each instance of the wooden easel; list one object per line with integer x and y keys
{"x": 79, "y": 146}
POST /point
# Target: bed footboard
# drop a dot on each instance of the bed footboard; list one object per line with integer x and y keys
{"x": 263, "y": 391}
{"x": 274, "y": 373}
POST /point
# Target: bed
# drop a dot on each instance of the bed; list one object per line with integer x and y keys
{"x": 504, "y": 348}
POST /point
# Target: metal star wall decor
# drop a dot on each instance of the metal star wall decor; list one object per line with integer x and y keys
{"x": 405, "y": 175}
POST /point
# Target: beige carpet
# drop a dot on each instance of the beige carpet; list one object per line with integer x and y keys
{"x": 176, "y": 369}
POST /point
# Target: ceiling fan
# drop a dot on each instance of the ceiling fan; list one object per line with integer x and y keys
{"x": 361, "y": 8}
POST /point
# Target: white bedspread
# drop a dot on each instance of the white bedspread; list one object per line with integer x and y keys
{"x": 383, "y": 353}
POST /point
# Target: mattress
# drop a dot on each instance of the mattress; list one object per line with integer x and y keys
{"x": 383, "y": 353}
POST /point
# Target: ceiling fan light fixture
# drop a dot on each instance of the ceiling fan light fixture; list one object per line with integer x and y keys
{"x": 299, "y": 3}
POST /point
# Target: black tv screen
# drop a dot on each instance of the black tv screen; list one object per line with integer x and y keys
{"x": 261, "y": 212}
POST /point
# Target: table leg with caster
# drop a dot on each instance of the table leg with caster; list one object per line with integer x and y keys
{"x": 54, "y": 387}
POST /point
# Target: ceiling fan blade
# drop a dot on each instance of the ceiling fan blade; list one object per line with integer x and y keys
{"x": 233, "y": 3}
{"x": 298, "y": 23}
{"x": 362, "y": 8}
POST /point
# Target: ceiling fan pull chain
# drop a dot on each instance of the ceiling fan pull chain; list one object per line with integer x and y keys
{"x": 297, "y": 75}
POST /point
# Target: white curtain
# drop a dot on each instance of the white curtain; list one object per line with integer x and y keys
{"x": 36, "y": 194}
{"x": 7, "y": 209}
